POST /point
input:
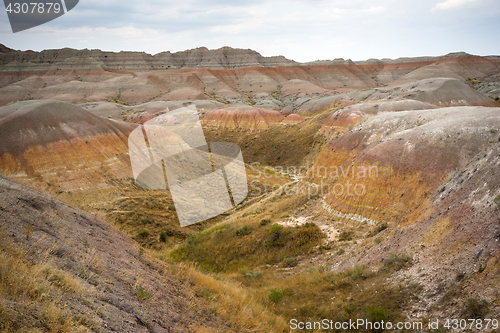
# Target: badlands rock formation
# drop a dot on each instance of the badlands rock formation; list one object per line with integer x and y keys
{"x": 240, "y": 76}
{"x": 57, "y": 142}
{"x": 402, "y": 155}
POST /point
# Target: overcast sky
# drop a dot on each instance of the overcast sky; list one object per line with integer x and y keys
{"x": 302, "y": 30}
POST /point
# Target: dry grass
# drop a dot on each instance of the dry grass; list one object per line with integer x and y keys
{"x": 265, "y": 302}
{"x": 31, "y": 294}
{"x": 225, "y": 249}
{"x": 250, "y": 282}
{"x": 235, "y": 304}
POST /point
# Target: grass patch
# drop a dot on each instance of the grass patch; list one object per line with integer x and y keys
{"x": 143, "y": 294}
{"x": 378, "y": 229}
{"x": 275, "y": 295}
{"x": 216, "y": 249}
{"x": 243, "y": 231}
{"x": 264, "y": 222}
{"x": 38, "y": 289}
{"x": 289, "y": 262}
{"x": 397, "y": 261}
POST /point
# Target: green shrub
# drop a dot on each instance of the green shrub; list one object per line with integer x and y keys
{"x": 475, "y": 308}
{"x": 276, "y": 236}
{"x": 144, "y": 233}
{"x": 143, "y": 294}
{"x": 152, "y": 202}
{"x": 357, "y": 272}
{"x": 397, "y": 260}
{"x": 163, "y": 236}
{"x": 345, "y": 235}
{"x": 265, "y": 221}
{"x": 375, "y": 314}
{"x": 340, "y": 252}
{"x": 275, "y": 295}
{"x": 256, "y": 274}
{"x": 243, "y": 231}
{"x": 289, "y": 262}
{"x": 378, "y": 240}
{"x": 497, "y": 200}
{"x": 379, "y": 228}
{"x": 309, "y": 224}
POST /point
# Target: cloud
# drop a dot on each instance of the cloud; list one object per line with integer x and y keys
{"x": 452, "y": 4}
{"x": 303, "y": 30}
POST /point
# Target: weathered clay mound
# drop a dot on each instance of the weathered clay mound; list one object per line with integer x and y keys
{"x": 453, "y": 233}
{"x": 409, "y": 153}
{"x": 134, "y": 78}
{"x": 456, "y": 67}
{"x": 438, "y": 91}
{"x": 351, "y": 114}
{"x": 389, "y": 106}
{"x": 243, "y": 117}
{"x": 95, "y": 266}
{"x": 445, "y": 92}
{"x": 60, "y": 142}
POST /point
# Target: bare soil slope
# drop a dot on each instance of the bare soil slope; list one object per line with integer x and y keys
{"x": 96, "y": 278}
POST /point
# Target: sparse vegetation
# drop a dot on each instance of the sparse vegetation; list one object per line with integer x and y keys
{"x": 243, "y": 231}
{"x": 254, "y": 274}
{"x": 375, "y": 314}
{"x": 381, "y": 227}
{"x": 144, "y": 233}
{"x": 143, "y": 294}
{"x": 497, "y": 200}
{"x": 37, "y": 289}
{"x": 28, "y": 230}
{"x": 267, "y": 244}
{"x": 475, "y": 308}
{"x": 345, "y": 235}
{"x": 289, "y": 262}
{"x": 265, "y": 222}
{"x": 276, "y": 236}
{"x": 275, "y": 295}
{"x": 397, "y": 261}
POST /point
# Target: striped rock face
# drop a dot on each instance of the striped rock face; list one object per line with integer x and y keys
{"x": 386, "y": 167}
{"x": 61, "y": 145}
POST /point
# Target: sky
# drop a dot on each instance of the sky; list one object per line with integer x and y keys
{"x": 302, "y": 30}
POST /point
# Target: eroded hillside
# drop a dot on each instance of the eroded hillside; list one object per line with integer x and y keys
{"x": 373, "y": 188}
